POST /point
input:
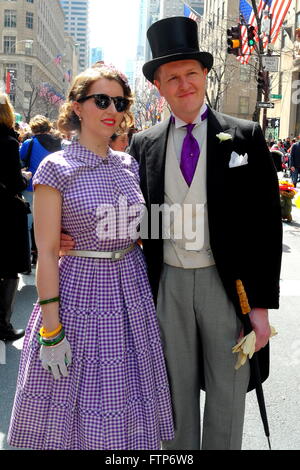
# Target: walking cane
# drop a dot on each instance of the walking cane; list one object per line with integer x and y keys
{"x": 245, "y": 307}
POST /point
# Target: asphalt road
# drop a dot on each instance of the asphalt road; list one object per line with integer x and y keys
{"x": 282, "y": 390}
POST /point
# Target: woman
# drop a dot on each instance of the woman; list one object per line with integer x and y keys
{"x": 14, "y": 257}
{"x": 119, "y": 141}
{"x": 32, "y": 152}
{"x": 112, "y": 391}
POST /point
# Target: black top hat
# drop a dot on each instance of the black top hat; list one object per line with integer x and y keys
{"x": 172, "y": 39}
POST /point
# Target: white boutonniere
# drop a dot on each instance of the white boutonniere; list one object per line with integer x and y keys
{"x": 223, "y": 136}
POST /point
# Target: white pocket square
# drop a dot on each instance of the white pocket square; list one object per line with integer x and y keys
{"x": 238, "y": 160}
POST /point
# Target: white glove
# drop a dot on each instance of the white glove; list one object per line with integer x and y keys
{"x": 56, "y": 358}
{"x": 246, "y": 347}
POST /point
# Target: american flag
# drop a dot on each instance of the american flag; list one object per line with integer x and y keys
{"x": 58, "y": 59}
{"x": 189, "y": 13}
{"x": 276, "y": 8}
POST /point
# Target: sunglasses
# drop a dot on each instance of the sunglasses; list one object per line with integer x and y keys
{"x": 104, "y": 101}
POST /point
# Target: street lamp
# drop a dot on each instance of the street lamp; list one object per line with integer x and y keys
{"x": 13, "y": 46}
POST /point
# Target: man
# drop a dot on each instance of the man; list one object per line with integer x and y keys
{"x": 295, "y": 162}
{"x": 197, "y": 303}
{"x": 238, "y": 237}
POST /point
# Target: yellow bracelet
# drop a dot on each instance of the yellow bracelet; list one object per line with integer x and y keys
{"x": 47, "y": 334}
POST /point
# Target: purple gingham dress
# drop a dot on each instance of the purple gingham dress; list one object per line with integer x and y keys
{"x": 116, "y": 395}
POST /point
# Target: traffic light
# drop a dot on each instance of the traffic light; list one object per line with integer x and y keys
{"x": 251, "y": 35}
{"x": 263, "y": 81}
{"x": 234, "y": 40}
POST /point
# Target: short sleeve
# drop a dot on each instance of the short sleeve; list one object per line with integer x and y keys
{"x": 51, "y": 172}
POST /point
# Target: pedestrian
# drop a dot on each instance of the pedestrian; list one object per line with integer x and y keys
{"x": 32, "y": 152}
{"x": 14, "y": 241}
{"x": 239, "y": 238}
{"x": 295, "y": 162}
{"x": 96, "y": 380}
{"x": 131, "y": 131}
{"x": 287, "y": 143}
{"x": 278, "y": 157}
{"x": 119, "y": 141}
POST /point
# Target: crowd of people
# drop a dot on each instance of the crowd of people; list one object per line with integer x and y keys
{"x": 286, "y": 157}
{"x": 127, "y": 332}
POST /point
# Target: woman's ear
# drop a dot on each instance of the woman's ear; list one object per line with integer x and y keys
{"x": 77, "y": 108}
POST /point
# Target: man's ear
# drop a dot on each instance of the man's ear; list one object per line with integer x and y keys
{"x": 157, "y": 84}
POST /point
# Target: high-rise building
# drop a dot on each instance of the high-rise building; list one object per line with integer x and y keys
{"x": 35, "y": 55}
{"x": 171, "y": 8}
{"x": 153, "y": 11}
{"x": 96, "y": 54}
{"x": 197, "y": 5}
{"x": 77, "y": 25}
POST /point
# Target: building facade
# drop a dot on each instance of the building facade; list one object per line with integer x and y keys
{"x": 76, "y": 25}
{"x": 231, "y": 87}
{"x": 284, "y": 119}
{"x": 32, "y": 55}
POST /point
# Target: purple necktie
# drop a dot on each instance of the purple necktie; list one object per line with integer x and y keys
{"x": 190, "y": 152}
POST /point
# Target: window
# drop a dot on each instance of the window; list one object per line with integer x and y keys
{"x": 12, "y": 98}
{"x": 10, "y": 18}
{"x": 29, "y": 1}
{"x": 28, "y": 47}
{"x": 29, "y": 20}
{"x": 9, "y": 44}
{"x": 244, "y": 105}
{"x": 28, "y": 73}
{"x": 12, "y": 68}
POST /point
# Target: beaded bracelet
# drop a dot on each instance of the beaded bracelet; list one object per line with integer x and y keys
{"x": 49, "y": 301}
{"x": 48, "y": 334}
{"x": 53, "y": 342}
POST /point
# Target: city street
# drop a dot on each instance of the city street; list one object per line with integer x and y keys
{"x": 282, "y": 390}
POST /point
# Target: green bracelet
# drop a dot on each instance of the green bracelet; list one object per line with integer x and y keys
{"x": 48, "y": 301}
{"x": 57, "y": 340}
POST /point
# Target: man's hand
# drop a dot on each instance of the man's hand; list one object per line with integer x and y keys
{"x": 66, "y": 243}
{"x": 293, "y": 168}
{"x": 260, "y": 323}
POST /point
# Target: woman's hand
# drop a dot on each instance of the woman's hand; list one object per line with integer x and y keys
{"x": 57, "y": 358}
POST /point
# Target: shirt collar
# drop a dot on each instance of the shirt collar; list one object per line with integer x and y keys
{"x": 79, "y": 152}
{"x": 198, "y": 120}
